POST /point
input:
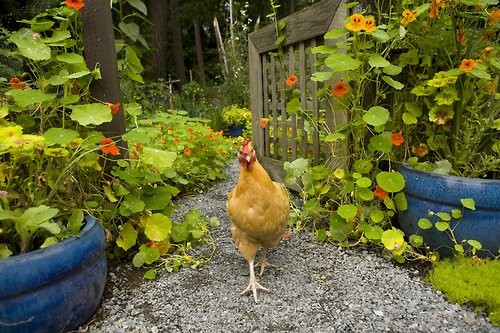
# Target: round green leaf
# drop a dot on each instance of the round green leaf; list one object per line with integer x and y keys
{"x": 364, "y": 194}
{"x": 91, "y": 114}
{"x": 475, "y": 244}
{"x": 391, "y": 181}
{"x": 59, "y": 136}
{"x": 341, "y": 62}
{"x": 468, "y": 203}
{"x": 31, "y": 48}
{"x": 376, "y": 116}
{"x": 363, "y": 166}
{"x": 376, "y": 60}
{"x": 442, "y": 226}
{"x": 347, "y": 211}
{"x": 424, "y": 223}
{"x": 373, "y": 232}
{"x": 416, "y": 240}
{"x": 377, "y": 215}
{"x": 381, "y": 142}
{"x": 127, "y": 236}
{"x": 364, "y": 182}
{"x": 157, "y": 226}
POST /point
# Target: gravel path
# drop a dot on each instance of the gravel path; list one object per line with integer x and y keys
{"x": 316, "y": 289}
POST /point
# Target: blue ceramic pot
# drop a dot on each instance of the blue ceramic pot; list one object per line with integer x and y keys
{"x": 234, "y": 130}
{"x": 55, "y": 289}
{"x": 426, "y": 191}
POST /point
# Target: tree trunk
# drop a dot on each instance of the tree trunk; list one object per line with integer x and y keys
{"x": 157, "y": 12}
{"x": 99, "y": 44}
{"x": 177, "y": 41}
{"x": 199, "y": 51}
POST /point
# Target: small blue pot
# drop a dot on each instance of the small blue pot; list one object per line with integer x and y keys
{"x": 234, "y": 130}
{"x": 426, "y": 191}
{"x": 55, "y": 289}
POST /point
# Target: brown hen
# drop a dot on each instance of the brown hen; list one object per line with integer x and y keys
{"x": 258, "y": 209}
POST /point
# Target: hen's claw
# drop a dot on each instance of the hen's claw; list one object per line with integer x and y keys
{"x": 253, "y": 286}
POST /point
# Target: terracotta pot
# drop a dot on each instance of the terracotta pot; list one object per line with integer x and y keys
{"x": 427, "y": 191}
{"x": 55, "y": 289}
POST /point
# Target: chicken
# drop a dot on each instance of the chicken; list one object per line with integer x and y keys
{"x": 258, "y": 209}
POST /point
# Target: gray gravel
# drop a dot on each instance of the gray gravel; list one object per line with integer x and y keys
{"x": 316, "y": 289}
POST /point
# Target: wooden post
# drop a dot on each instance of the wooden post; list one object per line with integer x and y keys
{"x": 99, "y": 44}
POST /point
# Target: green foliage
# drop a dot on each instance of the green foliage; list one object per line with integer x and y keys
{"x": 447, "y": 222}
{"x": 401, "y": 88}
{"x": 236, "y": 116}
{"x": 469, "y": 281}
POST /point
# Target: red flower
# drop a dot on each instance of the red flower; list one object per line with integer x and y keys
{"x": 340, "y": 89}
{"x": 380, "y": 193}
{"x": 421, "y": 150}
{"x": 114, "y": 108}
{"x": 108, "y": 146}
{"x": 291, "y": 80}
{"x": 16, "y": 83}
{"x": 397, "y": 139}
{"x": 77, "y": 4}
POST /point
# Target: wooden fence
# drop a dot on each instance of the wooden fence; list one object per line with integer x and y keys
{"x": 290, "y": 136}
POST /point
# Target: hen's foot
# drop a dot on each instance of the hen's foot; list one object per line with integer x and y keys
{"x": 253, "y": 286}
{"x": 263, "y": 263}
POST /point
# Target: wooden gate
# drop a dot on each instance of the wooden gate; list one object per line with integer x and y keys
{"x": 290, "y": 136}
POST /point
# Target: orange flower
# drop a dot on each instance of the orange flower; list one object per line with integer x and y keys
{"x": 114, "y": 108}
{"x": 494, "y": 17}
{"x": 340, "y": 89}
{"x": 176, "y": 141}
{"x": 492, "y": 86}
{"x": 356, "y": 22}
{"x": 397, "y": 139}
{"x": 108, "y": 146}
{"x": 212, "y": 137}
{"x": 139, "y": 147}
{"x": 408, "y": 16}
{"x": 421, "y": 150}
{"x": 434, "y": 9}
{"x": 467, "y": 65}
{"x": 380, "y": 193}
{"x": 190, "y": 130}
{"x": 369, "y": 24}
{"x": 263, "y": 122}
{"x": 16, "y": 83}
{"x": 291, "y": 80}
{"x": 77, "y": 4}
{"x": 487, "y": 52}
{"x": 187, "y": 152}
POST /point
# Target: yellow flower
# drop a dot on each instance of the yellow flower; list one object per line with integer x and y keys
{"x": 339, "y": 173}
{"x": 356, "y": 22}
{"x": 369, "y": 24}
{"x": 408, "y": 16}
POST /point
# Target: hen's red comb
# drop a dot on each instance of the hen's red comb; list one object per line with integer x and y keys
{"x": 245, "y": 149}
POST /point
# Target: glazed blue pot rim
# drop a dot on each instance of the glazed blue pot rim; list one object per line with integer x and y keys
{"x": 407, "y": 166}
{"x": 90, "y": 222}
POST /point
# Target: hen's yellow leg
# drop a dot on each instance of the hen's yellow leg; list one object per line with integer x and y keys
{"x": 263, "y": 263}
{"x": 253, "y": 286}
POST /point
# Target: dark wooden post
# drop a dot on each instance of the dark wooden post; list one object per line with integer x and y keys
{"x": 99, "y": 45}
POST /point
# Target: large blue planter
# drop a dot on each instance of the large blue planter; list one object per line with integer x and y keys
{"x": 55, "y": 289}
{"x": 426, "y": 191}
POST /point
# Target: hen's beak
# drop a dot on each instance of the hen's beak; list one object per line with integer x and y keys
{"x": 248, "y": 158}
